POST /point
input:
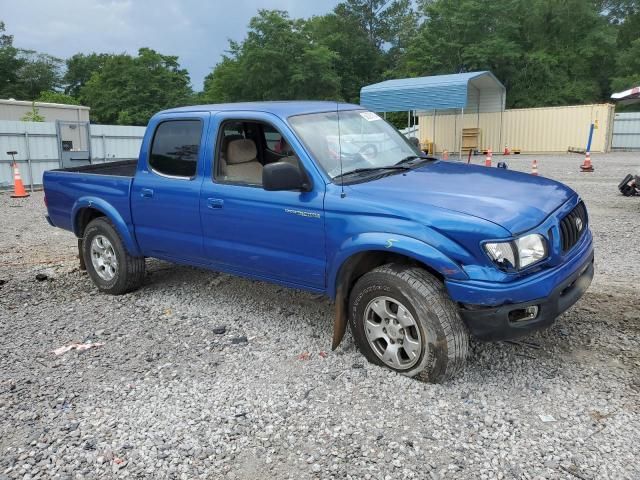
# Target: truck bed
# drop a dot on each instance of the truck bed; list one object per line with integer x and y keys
{"x": 105, "y": 185}
{"x": 123, "y": 168}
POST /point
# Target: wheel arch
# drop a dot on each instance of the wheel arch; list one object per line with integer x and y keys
{"x": 87, "y": 209}
{"x": 376, "y": 250}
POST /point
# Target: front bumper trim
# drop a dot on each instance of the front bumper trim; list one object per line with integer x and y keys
{"x": 496, "y": 323}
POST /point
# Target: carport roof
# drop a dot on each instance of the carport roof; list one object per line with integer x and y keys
{"x": 473, "y": 91}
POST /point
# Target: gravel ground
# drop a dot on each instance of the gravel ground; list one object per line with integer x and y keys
{"x": 203, "y": 375}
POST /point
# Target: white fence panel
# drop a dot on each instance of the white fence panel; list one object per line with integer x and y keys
{"x": 626, "y": 131}
{"x": 115, "y": 142}
{"x": 37, "y": 147}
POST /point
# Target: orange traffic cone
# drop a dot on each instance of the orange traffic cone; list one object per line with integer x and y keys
{"x": 506, "y": 150}
{"x": 534, "y": 168}
{"x": 18, "y": 186}
{"x": 586, "y": 166}
{"x": 445, "y": 155}
{"x": 487, "y": 159}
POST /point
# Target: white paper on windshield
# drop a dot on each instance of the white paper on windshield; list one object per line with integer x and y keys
{"x": 369, "y": 116}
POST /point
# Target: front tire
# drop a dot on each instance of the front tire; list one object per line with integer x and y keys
{"x": 109, "y": 264}
{"x": 402, "y": 318}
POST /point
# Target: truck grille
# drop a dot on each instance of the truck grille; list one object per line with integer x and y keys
{"x": 573, "y": 226}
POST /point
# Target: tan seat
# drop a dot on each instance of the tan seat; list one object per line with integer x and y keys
{"x": 241, "y": 163}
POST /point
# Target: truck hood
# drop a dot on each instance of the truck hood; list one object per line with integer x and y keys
{"x": 516, "y": 201}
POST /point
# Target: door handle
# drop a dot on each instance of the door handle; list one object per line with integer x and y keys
{"x": 146, "y": 193}
{"x": 215, "y": 203}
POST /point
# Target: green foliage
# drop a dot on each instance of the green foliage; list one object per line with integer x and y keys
{"x": 129, "y": 90}
{"x": 9, "y": 64}
{"x": 37, "y": 72}
{"x": 80, "y": 67}
{"x": 33, "y": 115}
{"x": 356, "y": 60}
{"x": 546, "y": 52}
{"x": 25, "y": 73}
{"x": 628, "y": 67}
{"x": 277, "y": 60}
{"x": 57, "y": 97}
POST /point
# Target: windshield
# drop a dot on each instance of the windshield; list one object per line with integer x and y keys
{"x": 366, "y": 141}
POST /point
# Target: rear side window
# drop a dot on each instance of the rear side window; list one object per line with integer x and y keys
{"x": 175, "y": 148}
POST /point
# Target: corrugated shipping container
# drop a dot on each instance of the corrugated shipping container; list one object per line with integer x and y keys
{"x": 532, "y": 130}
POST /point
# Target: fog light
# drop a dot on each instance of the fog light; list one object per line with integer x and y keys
{"x": 532, "y": 312}
{"x": 523, "y": 314}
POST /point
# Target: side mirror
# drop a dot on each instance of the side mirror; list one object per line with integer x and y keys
{"x": 283, "y": 176}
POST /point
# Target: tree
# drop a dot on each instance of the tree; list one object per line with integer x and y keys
{"x": 80, "y": 67}
{"x": 38, "y": 72}
{"x": 628, "y": 68}
{"x": 129, "y": 90}
{"x": 569, "y": 53}
{"x": 357, "y": 62}
{"x": 57, "y": 97}
{"x": 277, "y": 60}
{"x": 546, "y": 52}
{"x": 380, "y": 19}
{"x": 9, "y": 64}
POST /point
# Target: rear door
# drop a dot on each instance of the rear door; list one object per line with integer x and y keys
{"x": 165, "y": 195}
{"x": 275, "y": 235}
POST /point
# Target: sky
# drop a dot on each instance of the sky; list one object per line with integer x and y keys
{"x": 197, "y": 31}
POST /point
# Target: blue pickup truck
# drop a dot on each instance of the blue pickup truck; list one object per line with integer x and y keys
{"x": 417, "y": 253}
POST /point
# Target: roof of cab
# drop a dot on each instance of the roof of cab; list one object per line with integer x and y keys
{"x": 280, "y": 108}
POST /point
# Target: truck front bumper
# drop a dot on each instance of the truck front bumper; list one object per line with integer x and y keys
{"x": 551, "y": 293}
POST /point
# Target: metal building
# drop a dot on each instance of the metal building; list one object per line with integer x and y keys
{"x": 530, "y": 130}
{"x": 15, "y": 110}
{"x": 461, "y": 96}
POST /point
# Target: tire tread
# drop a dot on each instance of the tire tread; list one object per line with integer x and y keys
{"x": 134, "y": 267}
{"x": 454, "y": 331}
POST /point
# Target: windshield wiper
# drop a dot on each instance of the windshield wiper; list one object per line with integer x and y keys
{"x": 374, "y": 169}
{"x": 412, "y": 158}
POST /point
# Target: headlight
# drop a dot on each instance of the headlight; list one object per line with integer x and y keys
{"x": 502, "y": 254}
{"x": 519, "y": 254}
{"x": 531, "y": 249}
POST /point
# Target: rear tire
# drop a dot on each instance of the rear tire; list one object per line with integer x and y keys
{"x": 402, "y": 318}
{"x": 109, "y": 264}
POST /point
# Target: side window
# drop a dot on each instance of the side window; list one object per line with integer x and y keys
{"x": 244, "y": 147}
{"x": 272, "y": 139}
{"x": 277, "y": 149}
{"x": 175, "y": 146}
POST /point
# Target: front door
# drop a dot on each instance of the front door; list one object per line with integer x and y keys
{"x": 274, "y": 235}
{"x": 165, "y": 197}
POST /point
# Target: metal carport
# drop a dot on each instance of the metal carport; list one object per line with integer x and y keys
{"x": 471, "y": 92}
